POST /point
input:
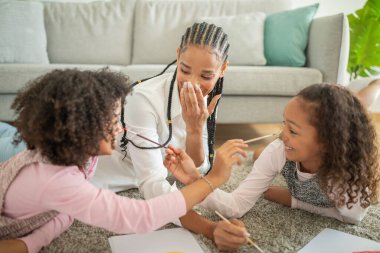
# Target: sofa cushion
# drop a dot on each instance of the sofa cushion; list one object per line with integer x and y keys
{"x": 90, "y": 33}
{"x": 239, "y": 80}
{"x": 23, "y": 37}
{"x": 15, "y": 76}
{"x": 244, "y": 32}
{"x": 159, "y": 24}
{"x": 268, "y": 81}
{"x": 248, "y": 80}
{"x": 286, "y": 36}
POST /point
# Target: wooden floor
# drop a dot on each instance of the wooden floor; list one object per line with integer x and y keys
{"x": 248, "y": 131}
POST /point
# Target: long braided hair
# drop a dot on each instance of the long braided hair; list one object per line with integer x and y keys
{"x": 201, "y": 34}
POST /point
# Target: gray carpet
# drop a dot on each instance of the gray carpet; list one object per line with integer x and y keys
{"x": 275, "y": 228}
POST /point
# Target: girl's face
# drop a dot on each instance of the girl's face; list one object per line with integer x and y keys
{"x": 199, "y": 65}
{"x": 106, "y": 146}
{"x": 300, "y": 137}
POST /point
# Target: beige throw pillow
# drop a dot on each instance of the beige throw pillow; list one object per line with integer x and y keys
{"x": 22, "y": 32}
{"x": 246, "y": 37}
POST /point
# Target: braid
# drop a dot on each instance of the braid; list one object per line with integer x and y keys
{"x": 124, "y": 141}
{"x": 169, "y": 109}
{"x": 162, "y": 72}
{"x": 200, "y": 33}
{"x": 194, "y": 32}
{"x": 185, "y": 37}
{"x": 211, "y": 122}
{"x": 205, "y": 34}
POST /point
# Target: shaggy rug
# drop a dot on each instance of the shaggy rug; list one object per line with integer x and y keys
{"x": 276, "y": 228}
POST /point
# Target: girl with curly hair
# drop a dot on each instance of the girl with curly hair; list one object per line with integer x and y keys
{"x": 327, "y": 153}
{"x": 67, "y": 118}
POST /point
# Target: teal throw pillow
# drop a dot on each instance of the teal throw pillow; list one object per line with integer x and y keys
{"x": 286, "y": 36}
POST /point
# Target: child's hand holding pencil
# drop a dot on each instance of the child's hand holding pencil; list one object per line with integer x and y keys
{"x": 249, "y": 240}
{"x": 229, "y": 235}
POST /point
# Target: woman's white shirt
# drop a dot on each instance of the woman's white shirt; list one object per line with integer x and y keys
{"x": 145, "y": 112}
{"x": 264, "y": 170}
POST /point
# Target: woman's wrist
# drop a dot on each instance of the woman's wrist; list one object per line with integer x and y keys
{"x": 194, "y": 131}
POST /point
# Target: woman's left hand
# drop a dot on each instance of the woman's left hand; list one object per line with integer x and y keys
{"x": 194, "y": 110}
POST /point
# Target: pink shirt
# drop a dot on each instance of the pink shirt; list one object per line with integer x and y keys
{"x": 43, "y": 187}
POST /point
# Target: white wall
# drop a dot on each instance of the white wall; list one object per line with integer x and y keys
{"x": 330, "y": 7}
{"x": 326, "y": 7}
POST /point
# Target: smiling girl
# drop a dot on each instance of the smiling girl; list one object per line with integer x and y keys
{"x": 327, "y": 154}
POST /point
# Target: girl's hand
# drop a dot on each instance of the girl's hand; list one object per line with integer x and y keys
{"x": 279, "y": 195}
{"x": 194, "y": 110}
{"x": 230, "y": 236}
{"x": 181, "y": 165}
{"x": 226, "y": 156}
{"x": 13, "y": 246}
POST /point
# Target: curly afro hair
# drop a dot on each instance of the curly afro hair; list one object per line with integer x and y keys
{"x": 64, "y": 114}
{"x": 350, "y": 159}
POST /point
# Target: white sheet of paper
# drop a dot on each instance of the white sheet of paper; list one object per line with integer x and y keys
{"x": 176, "y": 240}
{"x": 334, "y": 241}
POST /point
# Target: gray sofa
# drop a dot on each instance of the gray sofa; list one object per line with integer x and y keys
{"x": 140, "y": 37}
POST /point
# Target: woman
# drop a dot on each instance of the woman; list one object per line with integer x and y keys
{"x": 171, "y": 108}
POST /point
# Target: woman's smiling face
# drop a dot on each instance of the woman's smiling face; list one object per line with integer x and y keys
{"x": 199, "y": 65}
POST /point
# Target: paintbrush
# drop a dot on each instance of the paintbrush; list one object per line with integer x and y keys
{"x": 260, "y": 138}
{"x": 145, "y": 138}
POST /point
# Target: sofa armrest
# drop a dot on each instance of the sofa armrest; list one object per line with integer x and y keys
{"x": 328, "y": 47}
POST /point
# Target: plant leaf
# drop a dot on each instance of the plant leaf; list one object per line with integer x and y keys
{"x": 365, "y": 40}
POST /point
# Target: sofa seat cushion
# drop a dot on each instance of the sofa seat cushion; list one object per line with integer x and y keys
{"x": 247, "y": 80}
{"x": 239, "y": 80}
{"x": 14, "y": 76}
{"x": 268, "y": 81}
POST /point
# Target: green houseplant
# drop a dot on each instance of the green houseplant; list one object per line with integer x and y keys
{"x": 364, "y": 59}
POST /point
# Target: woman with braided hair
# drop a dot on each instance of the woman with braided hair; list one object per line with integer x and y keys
{"x": 174, "y": 108}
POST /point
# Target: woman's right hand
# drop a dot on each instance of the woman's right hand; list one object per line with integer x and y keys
{"x": 181, "y": 165}
{"x": 194, "y": 109}
{"x": 226, "y": 156}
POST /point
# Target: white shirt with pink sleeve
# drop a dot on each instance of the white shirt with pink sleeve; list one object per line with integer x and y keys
{"x": 42, "y": 187}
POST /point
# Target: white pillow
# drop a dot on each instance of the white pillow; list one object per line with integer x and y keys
{"x": 22, "y": 32}
{"x": 245, "y": 35}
